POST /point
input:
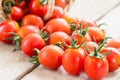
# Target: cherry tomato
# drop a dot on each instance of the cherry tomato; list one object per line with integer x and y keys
{"x": 25, "y": 30}
{"x": 96, "y": 68}
{"x": 73, "y": 60}
{"x": 30, "y": 42}
{"x": 51, "y": 57}
{"x": 113, "y": 58}
{"x": 88, "y": 22}
{"x": 114, "y": 43}
{"x": 6, "y": 27}
{"x": 16, "y": 13}
{"x": 61, "y": 3}
{"x": 71, "y": 19}
{"x": 57, "y": 12}
{"x": 96, "y": 34}
{"x": 37, "y": 8}
{"x": 90, "y": 45}
{"x": 20, "y": 3}
{"x": 33, "y": 20}
{"x": 57, "y": 24}
{"x": 59, "y": 37}
{"x": 79, "y": 39}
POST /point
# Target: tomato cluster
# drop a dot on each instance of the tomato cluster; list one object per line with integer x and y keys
{"x": 77, "y": 45}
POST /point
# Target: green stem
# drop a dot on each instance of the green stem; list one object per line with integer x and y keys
{"x": 95, "y": 52}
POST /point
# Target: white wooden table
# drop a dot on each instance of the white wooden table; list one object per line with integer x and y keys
{"x": 16, "y": 65}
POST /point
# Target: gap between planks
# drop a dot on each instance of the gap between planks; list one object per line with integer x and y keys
{"x": 27, "y": 72}
{"x": 108, "y": 12}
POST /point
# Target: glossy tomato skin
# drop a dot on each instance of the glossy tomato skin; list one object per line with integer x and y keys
{"x": 30, "y": 42}
{"x": 73, "y": 60}
{"x": 6, "y": 27}
{"x": 25, "y": 30}
{"x": 57, "y": 24}
{"x": 21, "y": 4}
{"x": 113, "y": 58}
{"x": 95, "y": 68}
{"x": 59, "y": 37}
{"x": 71, "y": 19}
{"x": 114, "y": 43}
{"x": 51, "y": 57}
{"x": 34, "y": 20}
{"x": 16, "y": 13}
{"x": 57, "y": 12}
{"x": 61, "y": 3}
{"x": 88, "y": 22}
{"x": 79, "y": 39}
{"x": 96, "y": 34}
{"x": 35, "y": 7}
{"x": 90, "y": 45}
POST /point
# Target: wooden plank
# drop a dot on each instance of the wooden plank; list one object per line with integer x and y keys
{"x": 112, "y": 20}
{"x": 41, "y": 73}
{"x": 93, "y": 9}
{"x": 13, "y": 65}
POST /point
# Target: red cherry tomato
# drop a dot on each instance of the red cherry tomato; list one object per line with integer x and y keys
{"x": 37, "y": 8}
{"x": 51, "y": 56}
{"x": 90, "y": 45}
{"x": 57, "y": 12}
{"x": 95, "y": 68}
{"x": 88, "y": 22}
{"x": 73, "y": 60}
{"x": 113, "y": 58}
{"x": 6, "y": 27}
{"x": 16, "y": 13}
{"x": 59, "y": 37}
{"x": 114, "y": 43}
{"x": 96, "y": 34}
{"x": 71, "y": 19}
{"x": 61, "y": 3}
{"x": 21, "y": 3}
{"x": 25, "y": 30}
{"x": 57, "y": 24}
{"x": 33, "y": 20}
{"x": 79, "y": 39}
{"x": 30, "y": 42}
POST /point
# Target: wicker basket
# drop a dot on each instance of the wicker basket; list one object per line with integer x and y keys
{"x": 51, "y": 4}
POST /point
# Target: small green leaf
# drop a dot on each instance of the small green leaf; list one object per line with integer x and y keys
{"x": 73, "y": 26}
{"x": 7, "y": 5}
{"x": 59, "y": 44}
{"x": 44, "y": 2}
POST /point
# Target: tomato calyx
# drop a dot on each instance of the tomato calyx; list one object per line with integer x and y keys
{"x": 44, "y": 34}
{"x": 44, "y": 2}
{"x": 72, "y": 26}
{"x": 96, "y": 53}
{"x": 34, "y": 59}
{"x": 81, "y": 31}
{"x": 16, "y": 40}
{"x": 59, "y": 44}
{"x": 7, "y": 4}
{"x": 104, "y": 41}
{"x": 73, "y": 44}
